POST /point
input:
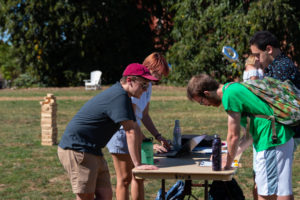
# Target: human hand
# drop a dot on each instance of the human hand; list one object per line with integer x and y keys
{"x": 164, "y": 142}
{"x": 225, "y": 165}
{"x": 223, "y": 161}
{"x": 147, "y": 167}
{"x": 223, "y": 158}
{"x": 159, "y": 149}
{"x": 227, "y": 168}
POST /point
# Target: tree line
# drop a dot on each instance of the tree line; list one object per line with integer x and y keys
{"x": 58, "y": 43}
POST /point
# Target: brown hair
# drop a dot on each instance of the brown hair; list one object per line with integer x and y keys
{"x": 200, "y": 83}
{"x": 156, "y": 62}
{"x": 133, "y": 78}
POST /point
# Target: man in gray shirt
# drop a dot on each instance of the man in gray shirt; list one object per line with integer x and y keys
{"x": 92, "y": 127}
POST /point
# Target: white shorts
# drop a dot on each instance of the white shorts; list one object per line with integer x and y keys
{"x": 273, "y": 170}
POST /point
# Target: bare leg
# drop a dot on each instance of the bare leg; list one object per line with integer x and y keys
{"x": 290, "y": 197}
{"x": 85, "y": 196}
{"x": 272, "y": 197}
{"x": 254, "y": 189}
{"x": 137, "y": 189}
{"x": 137, "y": 185}
{"x": 123, "y": 166}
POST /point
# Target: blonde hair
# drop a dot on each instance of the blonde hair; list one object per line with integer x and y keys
{"x": 250, "y": 60}
{"x": 156, "y": 62}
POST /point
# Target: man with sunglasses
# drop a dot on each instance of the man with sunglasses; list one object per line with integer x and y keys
{"x": 91, "y": 128}
{"x": 273, "y": 163}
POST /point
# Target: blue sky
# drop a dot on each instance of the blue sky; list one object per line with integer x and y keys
{"x": 5, "y": 37}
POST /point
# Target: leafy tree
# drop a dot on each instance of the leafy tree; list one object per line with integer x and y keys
{"x": 202, "y": 28}
{"x": 60, "y": 42}
{"x": 9, "y": 64}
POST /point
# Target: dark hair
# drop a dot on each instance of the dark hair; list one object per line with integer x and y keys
{"x": 200, "y": 83}
{"x": 263, "y": 38}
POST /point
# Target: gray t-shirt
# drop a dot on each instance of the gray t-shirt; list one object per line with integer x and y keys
{"x": 96, "y": 122}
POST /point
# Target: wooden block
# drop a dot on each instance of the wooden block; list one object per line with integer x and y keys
{"x": 47, "y": 121}
{"x": 47, "y": 127}
{"x": 49, "y": 138}
{"x": 48, "y": 143}
{"x": 44, "y": 116}
{"x": 49, "y": 132}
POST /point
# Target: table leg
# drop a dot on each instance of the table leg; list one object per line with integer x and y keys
{"x": 206, "y": 190}
{"x": 163, "y": 191}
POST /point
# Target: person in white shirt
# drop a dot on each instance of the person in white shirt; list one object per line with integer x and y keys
{"x": 117, "y": 146}
{"x": 252, "y": 70}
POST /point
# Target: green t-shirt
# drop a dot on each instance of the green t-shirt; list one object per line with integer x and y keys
{"x": 238, "y": 98}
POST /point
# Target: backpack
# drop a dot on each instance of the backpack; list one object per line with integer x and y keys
{"x": 225, "y": 190}
{"x": 176, "y": 192}
{"x": 282, "y": 97}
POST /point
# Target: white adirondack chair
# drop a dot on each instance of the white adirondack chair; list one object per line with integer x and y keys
{"x": 95, "y": 82}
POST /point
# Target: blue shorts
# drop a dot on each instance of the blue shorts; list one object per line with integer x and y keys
{"x": 118, "y": 143}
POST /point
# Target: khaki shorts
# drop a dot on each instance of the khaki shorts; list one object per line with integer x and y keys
{"x": 87, "y": 172}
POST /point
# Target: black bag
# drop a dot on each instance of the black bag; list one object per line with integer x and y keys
{"x": 225, "y": 190}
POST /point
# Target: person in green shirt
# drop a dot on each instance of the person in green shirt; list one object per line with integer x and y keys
{"x": 273, "y": 161}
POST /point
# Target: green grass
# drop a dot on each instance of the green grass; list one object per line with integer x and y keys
{"x": 31, "y": 171}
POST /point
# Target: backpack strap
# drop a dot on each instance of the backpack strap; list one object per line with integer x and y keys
{"x": 272, "y": 118}
{"x": 248, "y": 127}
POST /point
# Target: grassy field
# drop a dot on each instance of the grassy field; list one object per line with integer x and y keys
{"x": 31, "y": 171}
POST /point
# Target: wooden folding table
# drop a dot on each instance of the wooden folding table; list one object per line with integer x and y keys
{"x": 187, "y": 168}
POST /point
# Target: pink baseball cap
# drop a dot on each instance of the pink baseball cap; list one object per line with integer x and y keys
{"x": 136, "y": 69}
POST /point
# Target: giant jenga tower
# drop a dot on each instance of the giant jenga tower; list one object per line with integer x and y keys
{"x": 48, "y": 120}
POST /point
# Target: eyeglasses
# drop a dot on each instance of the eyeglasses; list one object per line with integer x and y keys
{"x": 144, "y": 85}
{"x": 201, "y": 101}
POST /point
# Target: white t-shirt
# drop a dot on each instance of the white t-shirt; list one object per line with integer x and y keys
{"x": 255, "y": 72}
{"x": 141, "y": 103}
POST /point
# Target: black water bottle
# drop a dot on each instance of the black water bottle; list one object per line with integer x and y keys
{"x": 216, "y": 153}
